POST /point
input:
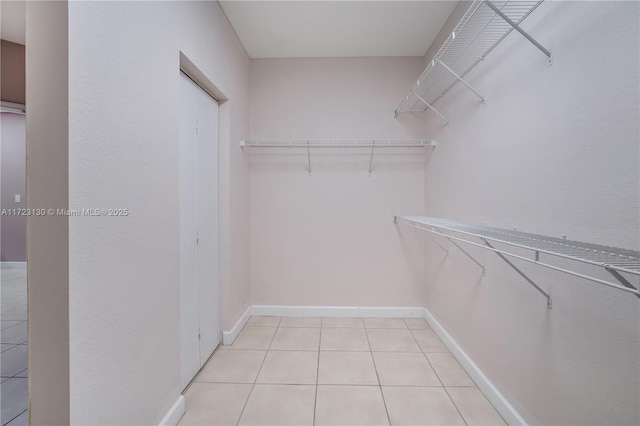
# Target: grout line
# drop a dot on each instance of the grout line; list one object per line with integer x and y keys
{"x": 455, "y": 405}
{"x": 422, "y": 350}
{"x": 257, "y": 375}
{"x": 439, "y": 379}
{"x": 330, "y": 384}
{"x": 193, "y": 380}
{"x": 315, "y": 400}
{"x": 375, "y": 367}
{"x": 4, "y": 424}
{"x": 424, "y": 354}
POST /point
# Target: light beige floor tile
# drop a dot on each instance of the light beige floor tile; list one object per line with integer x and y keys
{"x": 300, "y": 339}
{"x": 416, "y": 324}
{"x": 350, "y": 405}
{"x": 300, "y": 322}
{"x": 404, "y": 369}
{"x": 384, "y": 323}
{"x": 346, "y": 368}
{"x": 238, "y": 366}
{"x": 420, "y": 406}
{"x": 263, "y": 321}
{"x": 475, "y": 408}
{"x": 344, "y": 339}
{"x": 280, "y": 405}
{"x": 253, "y": 338}
{"x": 214, "y": 403}
{"x": 386, "y": 340}
{"x": 289, "y": 367}
{"x": 429, "y": 341}
{"x": 449, "y": 370}
{"x": 342, "y": 322}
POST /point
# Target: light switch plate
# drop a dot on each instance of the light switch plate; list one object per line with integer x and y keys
{"x": 17, "y": 198}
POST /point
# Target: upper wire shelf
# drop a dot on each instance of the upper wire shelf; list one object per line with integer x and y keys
{"x": 613, "y": 260}
{"x": 481, "y": 29}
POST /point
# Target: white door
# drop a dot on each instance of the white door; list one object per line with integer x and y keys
{"x": 199, "y": 286}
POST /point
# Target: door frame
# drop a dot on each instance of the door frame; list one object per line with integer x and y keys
{"x": 198, "y": 77}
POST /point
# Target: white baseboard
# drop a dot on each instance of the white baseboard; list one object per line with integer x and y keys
{"x": 229, "y": 336}
{"x": 336, "y": 311}
{"x": 318, "y": 311}
{"x": 174, "y": 414}
{"x": 506, "y": 410}
{"x": 13, "y": 265}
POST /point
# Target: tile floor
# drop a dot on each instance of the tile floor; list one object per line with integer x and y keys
{"x": 335, "y": 371}
{"x": 13, "y": 339}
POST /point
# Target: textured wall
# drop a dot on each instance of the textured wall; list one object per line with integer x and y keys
{"x": 48, "y": 236}
{"x": 329, "y": 238}
{"x": 124, "y": 60}
{"x": 554, "y": 151}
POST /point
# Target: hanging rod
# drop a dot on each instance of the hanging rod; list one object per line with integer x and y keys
{"x": 359, "y": 143}
{"x": 613, "y": 260}
{"x": 342, "y": 143}
{"x": 484, "y": 25}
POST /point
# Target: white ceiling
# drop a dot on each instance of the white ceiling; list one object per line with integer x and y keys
{"x": 294, "y": 29}
{"x": 13, "y": 21}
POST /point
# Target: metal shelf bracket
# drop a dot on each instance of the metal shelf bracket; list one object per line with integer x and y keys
{"x": 461, "y": 80}
{"x": 622, "y": 280}
{"x": 522, "y": 274}
{"x": 373, "y": 146}
{"x": 431, "y": 108}
{"x": 462, "y": 250}
{"x": 520, "y": 30}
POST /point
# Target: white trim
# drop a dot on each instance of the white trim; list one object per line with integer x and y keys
{"x": 13, "y": 265}
{"x": 337, "y": 311}
{"x": 506, "y": 410}
{"x": 174, "y": 414}
{"x": 229, "y": 336}
{"x": 13, "y": 107}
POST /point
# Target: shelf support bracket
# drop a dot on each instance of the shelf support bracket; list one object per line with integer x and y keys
{"x": 461, "y": 80}
{"x": 462, "y": 250}
{"x": 433, "y": 240}
{"x": 522, "y": 274}
{"x": 622, "y": 280}
{"x": 520, "y": 30}
{"x": 309, "y": 157}
{"x": 373, "y": 143}
{"x": 431, "y": 108}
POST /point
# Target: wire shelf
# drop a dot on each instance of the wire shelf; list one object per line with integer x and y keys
{"x": 613, "y": 260}
{"x": 479, "y": 31}
{"x": 371, "y": 144}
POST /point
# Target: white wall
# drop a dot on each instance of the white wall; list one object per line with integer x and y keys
{"x": 554, "y": 151}
{"x": 47, "y": 236}
{"x": 124, "y": 60}
{"x": 329, "y": 238}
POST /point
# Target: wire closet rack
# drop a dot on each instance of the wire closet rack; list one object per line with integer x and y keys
{"x": 614, "y": 260}
{"x": 481, "y": 29}
{"x": 371, "y": 144}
